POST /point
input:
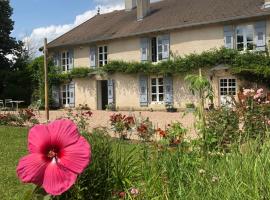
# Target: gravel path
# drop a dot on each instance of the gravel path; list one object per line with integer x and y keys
{"x": 159, "y": 119}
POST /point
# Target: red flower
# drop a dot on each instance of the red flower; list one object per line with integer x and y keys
{"x": 57, "y": 154}
{"x": 161, "y": 132}
{"x": 89, "y": 113}
{"x": 122, "y": 195}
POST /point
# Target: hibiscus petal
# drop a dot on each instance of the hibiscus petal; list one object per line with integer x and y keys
{"x": 76, "y": 157}
{"x": 63, "y": 133}
{"x": 31, "y": 168}
{"x": 38, "y": 139}
{"x": 58, "y": 179}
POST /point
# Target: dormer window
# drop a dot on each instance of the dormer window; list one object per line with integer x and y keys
{"x": 266, "y": 4}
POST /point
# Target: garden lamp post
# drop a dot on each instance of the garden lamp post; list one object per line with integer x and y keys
{"x": 46, "y": 79}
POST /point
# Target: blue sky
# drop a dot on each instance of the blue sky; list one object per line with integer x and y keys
{"x": 37, "y": 19}
{"x": 31, "y": 14}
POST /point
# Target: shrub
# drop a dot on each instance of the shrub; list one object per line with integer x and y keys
{"x": 23, "y": 118}
{"x": 174, "y": 134}
{"x": 254, "y": 109}
{"x": 122, "y": 124}
{"x": 222, "y": 129}
{"x": 145, "y": 129}
{"x": 96, "y": 182}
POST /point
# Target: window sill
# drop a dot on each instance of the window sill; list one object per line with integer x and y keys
{"x": 157, "y": 103}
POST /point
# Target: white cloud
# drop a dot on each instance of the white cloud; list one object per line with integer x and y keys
{"x": 35, "y": 39}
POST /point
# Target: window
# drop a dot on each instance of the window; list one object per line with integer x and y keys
{"x": 227, "y": 86}
{"x": 245, "y": 37}
{"x": 159, "y": 48}
{"x": 65, "y": 61}
{"x": 102, "y": 55}
{"x": 154, "y": 49}
{"x": 157, "y": 89}
{"x": 68, "y": 95}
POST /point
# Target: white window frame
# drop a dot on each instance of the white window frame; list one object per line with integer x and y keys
{"x": 159, "y": 44}
{"x": 157, "y": 93}
{"x": 245, "y": 30}
{"x": 159, "y": 48}
{"x": 68, "y": 89}
{"x": 65, "y": 61}
{"x": 227, "y": 89}
{"x": 103, "y": 54}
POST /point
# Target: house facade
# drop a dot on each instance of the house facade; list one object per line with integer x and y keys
{"x": 153, "y": 32}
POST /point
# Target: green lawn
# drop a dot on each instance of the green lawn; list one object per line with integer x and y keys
{"x": 13, "y": 143}
{"x": 158, "y": 173}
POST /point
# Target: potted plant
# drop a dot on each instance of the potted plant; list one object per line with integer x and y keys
{"x": 170, "y": 108}
{"x": 190, "y": 107}
{"x": 110, "y": 107}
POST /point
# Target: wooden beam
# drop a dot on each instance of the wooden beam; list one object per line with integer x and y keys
{"x": 46, "y": 80}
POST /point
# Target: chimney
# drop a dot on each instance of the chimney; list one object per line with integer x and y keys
{"x": 143, "y": 9}
{"x": 266, "y": 4}
{"x": 130, "y": 4}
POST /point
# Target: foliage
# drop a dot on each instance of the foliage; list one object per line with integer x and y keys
{"x": 96, "y": 182}
{"x": 251, "y": 65}
{"x": 8, "y": 45}
{"x": 14, "y": 76}
{"x": 25, "y": 117}
{"x": 174, "y": 133}
{"x": 126, "y": 167}
{"x": 122, "y": 124}
{"x": 255, "y": 111}
{"x": 222, "y": 129}
{"x": 80, "y": 117}
{"x": 145, "y": 129}
{"x": 190, "y": 105}
{"x": 200, "y": 85}
{"x": 13, "y": 146}
{"x": 246, "y": 64}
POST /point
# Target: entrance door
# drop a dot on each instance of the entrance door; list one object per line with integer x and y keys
{"x": 104, "y": 94}
{"x": 227, "y": 88}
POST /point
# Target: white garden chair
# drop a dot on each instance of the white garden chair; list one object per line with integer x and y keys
{"x": 2, "y": 106}
{"x": 9, "y": 104}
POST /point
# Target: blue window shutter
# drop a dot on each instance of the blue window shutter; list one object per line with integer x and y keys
{"x": 144, "y": 49}
{"x": 111, "y": 91}
{"x": 72, "y": 94}
{"x": 57, "y": 59}
{"x": 260, "y": 35}
{"x": 165, "y": 47}
{"x": 168, "y": 84}
{"x": 71, "y": 59}
{"x": 93, "y": 52}
{"x": 228, "y": 36}
{"x": 56, "y": 95}
{"x": 143, "y": 84}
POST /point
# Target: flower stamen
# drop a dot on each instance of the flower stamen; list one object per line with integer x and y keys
{"x": 52, "y": 154}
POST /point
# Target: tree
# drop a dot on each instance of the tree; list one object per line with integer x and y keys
{"x": 8, "y": 45}
{"x": 15, "y": 79}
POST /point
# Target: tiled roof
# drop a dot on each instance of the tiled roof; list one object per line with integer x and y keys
{"x": 165, "y": 15}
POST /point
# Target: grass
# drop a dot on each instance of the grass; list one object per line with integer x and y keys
{"x": 13, "y": 145}
{"x": 173, "y": 173}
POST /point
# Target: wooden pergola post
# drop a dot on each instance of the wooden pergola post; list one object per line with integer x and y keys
{"x": 46, "y": 80}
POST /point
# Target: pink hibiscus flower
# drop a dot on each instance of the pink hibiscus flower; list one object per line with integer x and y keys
{"x": 57, "y": 154}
